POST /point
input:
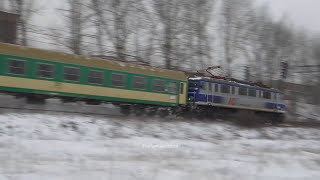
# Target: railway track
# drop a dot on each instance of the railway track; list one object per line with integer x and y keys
{"x": 10, "y": 104}
{"x": 292, "y": 124}
{"x": 59, "y": 111}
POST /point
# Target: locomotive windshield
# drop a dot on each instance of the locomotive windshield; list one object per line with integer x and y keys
{"x": 192, "y": 85}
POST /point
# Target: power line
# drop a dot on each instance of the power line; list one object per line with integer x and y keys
{"x": 307, "y": 72}
{"x": 309, "y": 66}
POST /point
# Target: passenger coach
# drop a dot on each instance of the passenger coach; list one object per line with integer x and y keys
{"x": 39, "y": 73}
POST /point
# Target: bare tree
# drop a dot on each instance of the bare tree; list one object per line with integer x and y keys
{"x": 97, "y": 6}
{"x": 183, "y": 38}
{"x": 26, "y": 9}
{"x": 76, "y": 23}
{"x": 2, "y": 5}
{"x": 257, "y": 44}
{"x": 115, "y": 20}
{"x": 316, "y": 55}
{"x": 234, "y": 23}
{"x": 197, "y": 48}
{"x": 169, "y": 14}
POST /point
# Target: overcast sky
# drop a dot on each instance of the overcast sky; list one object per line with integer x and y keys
{"x": 302, "y": 13}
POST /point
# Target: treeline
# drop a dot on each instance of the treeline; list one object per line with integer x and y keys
{"x": 178, "y": 34}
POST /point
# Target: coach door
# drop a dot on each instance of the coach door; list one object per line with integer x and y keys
{"x": 182, "y": 93}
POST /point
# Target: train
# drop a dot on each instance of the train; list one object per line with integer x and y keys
{"x": 37, "y": 75}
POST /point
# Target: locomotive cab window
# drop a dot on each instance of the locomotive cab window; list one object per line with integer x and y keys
{"x": 252, "y": 93}
{"x": 172, "y": 87}
{"x": 203, "y": 86}
{"x": 233, "y": 89}
{"x": 158, "y": 85}
{"x": 139, "y": 82}
{"x": 243, "y": 91}
{"x": 17, "y": 67}
{"x": 71, "y": 73}
{"x": 45, "y": 70}
{"x": 95, "y": 77}
{"x": 118, "y": 80}
{"x": 193, "y": 85}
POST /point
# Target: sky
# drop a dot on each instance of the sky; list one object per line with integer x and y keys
{"x": 302, "y": 13}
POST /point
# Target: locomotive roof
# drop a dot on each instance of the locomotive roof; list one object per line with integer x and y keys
{"x": 234, "y": 83}
{"x": 28, "y": 52}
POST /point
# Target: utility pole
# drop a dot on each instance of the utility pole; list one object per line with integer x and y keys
{"x": 284, "y": 69}
{"x": 247, "y": 73}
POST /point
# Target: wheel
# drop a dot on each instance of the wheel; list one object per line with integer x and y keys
{"x": 163, "y": 113}
{"x": 277, "y": 118}
{"x": 139, "y": 110}
{"x": 125, "y": 110}
{"x": 151, "y": 111}
{"x": 35, "y": 100}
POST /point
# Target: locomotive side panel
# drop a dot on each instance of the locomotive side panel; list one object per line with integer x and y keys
{"x": 233, "y": 95}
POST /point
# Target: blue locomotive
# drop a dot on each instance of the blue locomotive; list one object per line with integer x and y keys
{"x": 204, "y": 92}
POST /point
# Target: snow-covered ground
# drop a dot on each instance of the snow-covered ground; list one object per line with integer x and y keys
{"x": 308, "y": 112}
{"x": 68, "y": 146}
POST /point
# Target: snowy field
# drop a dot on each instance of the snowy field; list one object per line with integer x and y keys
{"x": 308, "y": 112}
{"x": 68, "y": 146}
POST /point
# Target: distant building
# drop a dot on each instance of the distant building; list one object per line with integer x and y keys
{"x": 8, "y": 27}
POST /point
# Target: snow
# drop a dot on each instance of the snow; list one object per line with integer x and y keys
{"x": 308, "y": 111}
{"x": 68, "y": 146}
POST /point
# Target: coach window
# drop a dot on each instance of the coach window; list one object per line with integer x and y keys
{"x": 172, "y": 87}
{"x": 233, "y": 89}
{"x": 16, "y": 67}
{"x": 266, "y": 95}
{"x": 243, "y": 91}
{"x": 225, "y": 89}
{"x": 139, "y": 82}
{"x": 71, "y": 73}
{"x": 45, "y": 70}
{"x": 181, "y": 88}
{"x": 95, "y": 77}
{"x": 118, "y": 80}
{"x": 252, "y": 93}
{"x": 216, "y": 87}
{"x": 158, "y": 85}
